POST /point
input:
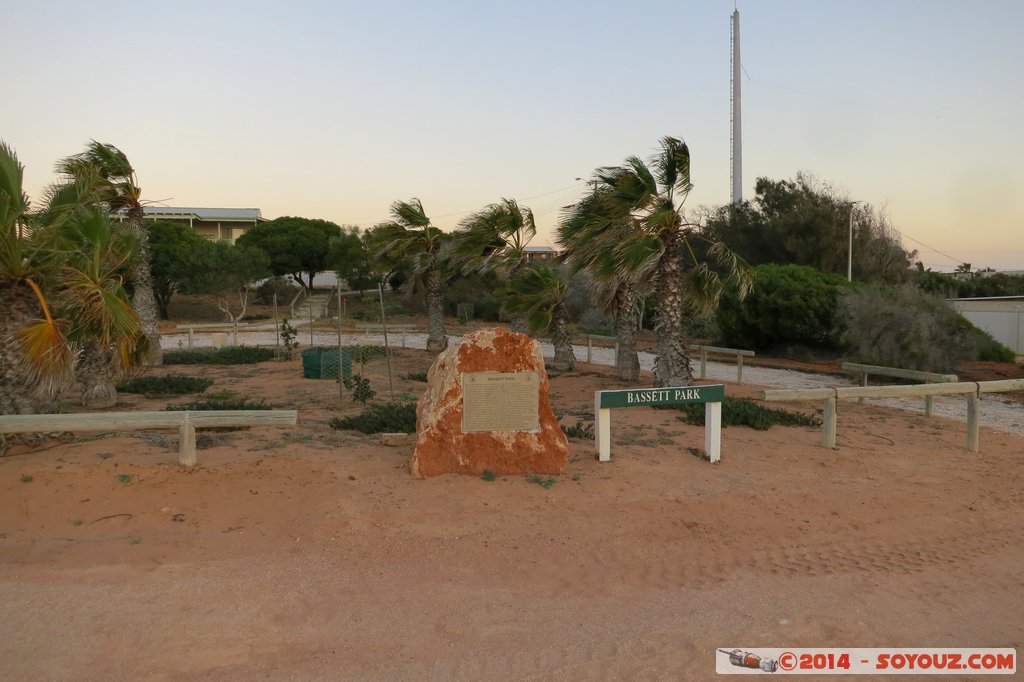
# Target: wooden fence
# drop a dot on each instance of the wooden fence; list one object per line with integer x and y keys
{"x": 185, "y": 421}
{"x": 972, "y": 390}
{"x": 899, "y": 373}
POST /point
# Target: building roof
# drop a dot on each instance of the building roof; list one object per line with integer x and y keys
{"x": 540, "y": 249}
{"x": 247, "y": 214}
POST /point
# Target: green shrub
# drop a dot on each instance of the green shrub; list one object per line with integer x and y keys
{"x": 284, "y": 289}
{"x": 742, "y": 412}
{"x": 254, "y": 317}
{"x": 229, "y": 355}
{"x": 789, "y": 305}
{"x": 703, "y": 327}
{"x": 221, "y": 400}
{"x": 579, "y": 431}
{"x": 415, "y": 376}
{"x": 172, "y": 384}
{"x": 909, "y": 329}
{"x": 360, "y": 387}
{"x": 387, "y": 418}
{"x": 542, "y": 481}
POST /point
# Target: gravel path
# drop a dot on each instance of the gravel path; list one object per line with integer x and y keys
{"x": 996, "y": 412}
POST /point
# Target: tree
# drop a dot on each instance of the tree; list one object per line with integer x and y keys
{"x": 118, "y": 189}
{"x": 638, "y": 219}
{"x": 227, "y": 272}
{"x": 616, "y": 291}
{"x": 102, "y": 324}
{"x": 411, "y": 242}
{"x": 539, "y": 294}
{"x": 173, "y": 249}
{"x": 495, "y": 239}
{"x": 61, "y": 291}
{"x": 788, "y": 306}
{"x": 349, "y": 256}
{"x": 294, "y": 246}
{"x": 805, "y": 222}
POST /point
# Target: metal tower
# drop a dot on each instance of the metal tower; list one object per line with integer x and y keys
{"x": 736, "y": 146}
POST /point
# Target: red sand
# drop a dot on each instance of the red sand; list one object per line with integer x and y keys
{"x": 310, "y": 553}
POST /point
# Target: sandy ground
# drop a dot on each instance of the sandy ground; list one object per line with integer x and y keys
{"x": 308, "y": 553}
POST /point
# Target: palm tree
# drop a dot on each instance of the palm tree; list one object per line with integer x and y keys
{"x": 539, "y": 293}
{"x": 118, "y": 189}
{"x": 637, "y": 218}
{"x": 410, "y": 240}
{"x": 101, "y": 321}
{"x": 60, "y": 291}
{"x": 495, "y": 238}
{"x": 616, "y": 291}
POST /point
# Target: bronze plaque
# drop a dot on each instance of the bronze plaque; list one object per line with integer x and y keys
{"x": 500, "y": 401}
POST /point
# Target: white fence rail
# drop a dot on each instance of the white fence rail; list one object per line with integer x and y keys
{"x": 185, "y": 421}
{"x": 971, "y": 389}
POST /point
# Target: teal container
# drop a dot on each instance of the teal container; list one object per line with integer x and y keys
{"x": 322, "y": 363}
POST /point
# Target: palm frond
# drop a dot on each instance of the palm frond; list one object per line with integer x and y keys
{"x": 46, "y": 355}
{"x": 410, "y": 213}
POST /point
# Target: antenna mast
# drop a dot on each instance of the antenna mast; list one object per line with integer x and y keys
{"x": 736, "y": 141}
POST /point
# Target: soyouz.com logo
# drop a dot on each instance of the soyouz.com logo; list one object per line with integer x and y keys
{"x": 836, "y": 661}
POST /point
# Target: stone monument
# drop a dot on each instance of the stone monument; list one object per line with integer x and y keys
{"x": 486, "y": 407}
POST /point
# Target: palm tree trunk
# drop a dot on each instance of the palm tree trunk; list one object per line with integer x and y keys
{"x": 143, "y": 299}
{"x": 18, "y": 309}
{"x": 627, "y": 362}
{"x": 564, "y": 360}
{"x": 437, "y": 340}
{"x": 95, "y": 372}
{"x": 672, "y": 364}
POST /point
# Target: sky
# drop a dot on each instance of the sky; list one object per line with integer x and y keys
{"x": 336, "y": 109}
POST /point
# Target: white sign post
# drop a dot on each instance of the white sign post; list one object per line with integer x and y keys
{"x": 712, "y": 397}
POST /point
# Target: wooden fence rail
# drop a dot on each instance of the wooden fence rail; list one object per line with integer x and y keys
{"x": 185, "y": 421}
{"x": 971, "y": 389}
{"x": 738, "y": 353}
{"x": 900, "y": 373}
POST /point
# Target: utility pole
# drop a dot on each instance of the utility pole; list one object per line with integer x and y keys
{"x": 849, "y": 258}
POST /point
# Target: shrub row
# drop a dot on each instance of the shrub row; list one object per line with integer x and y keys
{"x": 386, "y": 418}
{"x": 172, "y": 384}
{"x": 229, "y": 355}
{"x": 742, "y": 412}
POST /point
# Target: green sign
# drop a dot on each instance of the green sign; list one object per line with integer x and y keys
{"x": 672, "y": 395}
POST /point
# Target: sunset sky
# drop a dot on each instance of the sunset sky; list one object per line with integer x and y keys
{"x": 335, "y": 109}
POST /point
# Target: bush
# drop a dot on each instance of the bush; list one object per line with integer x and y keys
{"x": 415, "y": 376}
{"x": 789, "y": 305}
{"x": 172, "y": 384}
{"x": 703, "y": 327}
{"x": 222, "y": 400}
{"x": 909, "y": 329}
{"x": 579, "y": 431}
{"x": 387, "y": 418}
{"x": 742, "y": 412}
{"x": 284, "y": 289}
{"x": 229, "y": 355}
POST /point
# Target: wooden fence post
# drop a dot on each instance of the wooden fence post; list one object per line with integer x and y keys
{"x": 973, "y": 422}
{"x": 829, "y": 423}
{"x": 187, "y": 443}
{"x": 739, "y": 369}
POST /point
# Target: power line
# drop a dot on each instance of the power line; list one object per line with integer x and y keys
{"x": 958, "y": 261}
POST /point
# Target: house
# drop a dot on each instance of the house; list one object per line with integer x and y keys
{"x": 1000, "y": 316}
{"x": 540, "y": 253}
{"x": 216, "y": 224}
